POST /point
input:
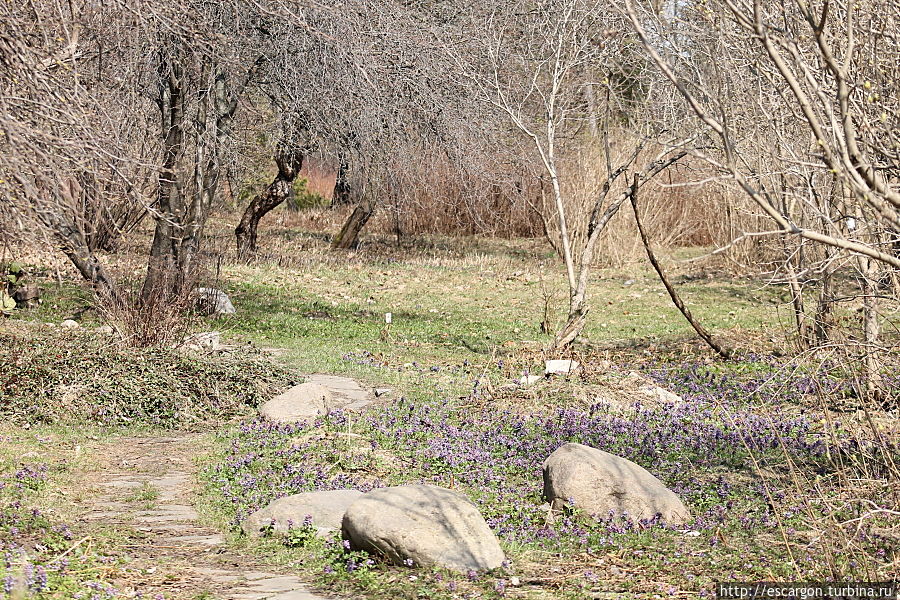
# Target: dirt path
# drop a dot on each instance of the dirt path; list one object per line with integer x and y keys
{"x": 143, "y": 491}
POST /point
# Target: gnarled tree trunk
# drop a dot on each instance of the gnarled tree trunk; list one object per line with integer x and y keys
{"x": 289, "y": 163}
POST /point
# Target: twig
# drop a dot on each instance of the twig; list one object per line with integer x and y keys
{"x": 676, "y": 299}
{"x": 72, "y": 547}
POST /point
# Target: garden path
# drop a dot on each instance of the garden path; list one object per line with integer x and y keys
{"x": 144, "y": 488}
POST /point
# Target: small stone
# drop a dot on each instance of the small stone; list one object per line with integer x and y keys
{"x": 379, "y": 392}
{"x": 629, "y": 282}
{"x": 70, "y": 324}
{"x": 207, "y": 340}
{"x": 560, "y": 367}
{"x": 529, "y": 380}
{"x": 514, "y": 581}
{"x": 211, "y": 301}
{"x": 424, "y": 524}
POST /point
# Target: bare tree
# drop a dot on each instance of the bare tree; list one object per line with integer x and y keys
{"x": 797, "y": 103}
{"x": 289, "y": 162}
{"x": 541, "y": 67}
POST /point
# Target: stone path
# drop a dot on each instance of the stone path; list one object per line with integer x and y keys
{"x": 145, "y": 488}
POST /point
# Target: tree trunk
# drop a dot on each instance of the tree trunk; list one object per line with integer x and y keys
{"x": 870, "y": 326}
{"x": 824, "y": 318}
{"x": 349, "y": 234}
{"x": 164, "y": 248}
{"x": 70, "y": 237}
{"x": 343, "y": 187}
{"x": 187, "y": 186}
{"x": 578, "y": 306}
{"x": 289, "y": 164}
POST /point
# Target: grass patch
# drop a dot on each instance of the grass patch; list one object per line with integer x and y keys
{"x": 45, "y": 556}
{"x": 145, "y": 495}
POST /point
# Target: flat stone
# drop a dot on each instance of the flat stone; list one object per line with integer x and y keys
{"x": 529, "y": 380}
{"x": 275, "y": 584}
{"x": 560, "y": 367}
{"x": 206, "y": 340}
{"x": 344, "y": 389}
{"x": 198, "y": 540}
{"x": 302, "y": 402}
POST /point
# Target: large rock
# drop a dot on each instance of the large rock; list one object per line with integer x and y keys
{"x": 598, "y": 483}
{"x": 302, "y": 402}
{"x": 325, "y": 508}
{"x": 425, "y": 524}
{"x": 27, "y": 296}
{"x": 214, "y": 302}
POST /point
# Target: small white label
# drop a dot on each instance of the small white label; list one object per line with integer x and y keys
{"x": 388, "y": 317}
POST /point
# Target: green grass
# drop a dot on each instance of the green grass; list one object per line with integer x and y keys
{"x": 472, "y": 308}
{"x": 145, "y": 495}
{"x": 38, "y": 518}
{"x": 459, "y": 309}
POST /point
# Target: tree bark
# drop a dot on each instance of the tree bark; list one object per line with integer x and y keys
{"x": 187, "y": 186}
{"x": 164, "y": 248}
{"x": 870, "y": 326}
{"x": 343, "y": 187}
{"x": 348, "y": 237}
{"x": 289, "y": 164}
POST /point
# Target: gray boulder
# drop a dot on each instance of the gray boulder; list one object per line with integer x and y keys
{"x": 207, "y": 340}
{"x": 27, "y": 296}
{"x": 325, "y": 508}
{"x": 302, "y": 402}
{"x": 424, "y": 524}
{"x": 598, "y": 483}
{"x": 214, "y": 302}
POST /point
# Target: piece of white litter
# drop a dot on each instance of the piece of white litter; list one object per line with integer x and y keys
{"x": 560, "y": 367}
{"x": 388, "y": 317}
{"x": 529, "y": 380}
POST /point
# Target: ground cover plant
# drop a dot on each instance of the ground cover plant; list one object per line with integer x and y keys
{"x": 782, "y": 483}
{"x": 53, "y": 374}
{"x": 42, "y": 554}
{"x": 736, "y": 467}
